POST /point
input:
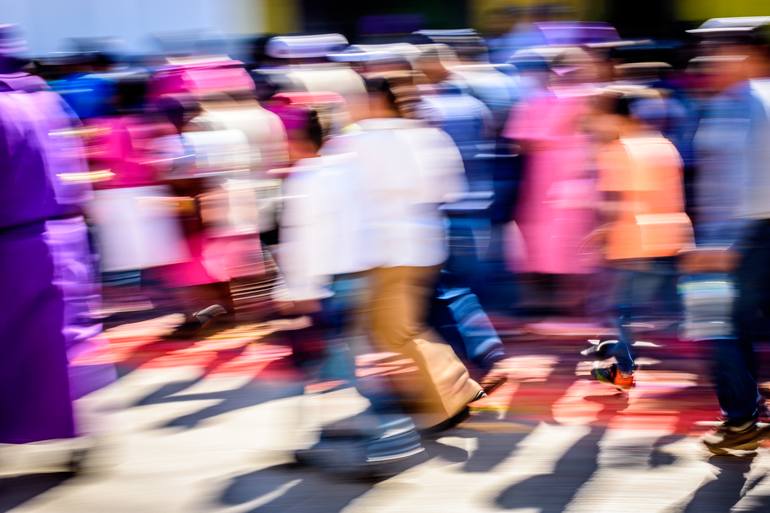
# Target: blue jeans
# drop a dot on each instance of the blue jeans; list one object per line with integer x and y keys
{"x": 336, "y": 319}
{"x": 383, "y": 429}
{"x": 735, "y": 362}
{"x": 456, "y": 314}
{"x": 455, "y": 310}
{"x": 647, "y": 291}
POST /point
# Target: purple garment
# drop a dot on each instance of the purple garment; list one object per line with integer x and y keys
{"x": 43, "y": 310}
{"x": 35, "y": 399}
{"x": 74, "y": 274}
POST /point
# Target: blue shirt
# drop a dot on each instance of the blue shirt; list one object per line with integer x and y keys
{"x": 733, "y": 152}
{"x": 467, "y": 121}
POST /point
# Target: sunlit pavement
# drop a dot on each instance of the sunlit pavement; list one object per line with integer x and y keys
{"x": 210, "y": 426}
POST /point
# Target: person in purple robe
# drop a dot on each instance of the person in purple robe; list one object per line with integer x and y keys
{"x": 45, "y": 261}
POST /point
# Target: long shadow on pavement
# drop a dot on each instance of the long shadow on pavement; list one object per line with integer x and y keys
{"x": 494, "y": 448}
{"x": 251, "y": 393}
{"x": 730, "y": 485}
{"x": 15, "y": 491}
{"x": 287, "y": 487}
{"x": 552, "y": 493}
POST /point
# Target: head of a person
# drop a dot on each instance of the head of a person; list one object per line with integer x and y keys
{"x": 574, "y": 65}
{"x": 432, "y": 63}
{"x": 382, "y": 99}
{"x": 624, "y": 113}
{"x": 100, "y": 62}
{"x": 735, "y": 58}
{"x": 12, "y": 49}
{"x": 304, "y": 132}
{"x": 131, "y": 94}
{"x": 178, "y": 109}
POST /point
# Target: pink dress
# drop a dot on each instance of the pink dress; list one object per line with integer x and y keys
{"x": 556, "y": 207}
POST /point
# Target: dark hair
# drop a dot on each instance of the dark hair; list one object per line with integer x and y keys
{"x": 303, "y": 123}
{"x": 243, "y": 94}
{"x": 383, "y": 86}
{"x": 621, "y": 105}
{"x": 99, "y": 60}
{"x": 131, "y": 93}
{"x": 178, "y": 109}
{"x": 611, "y": 102}
{"x": 313, "y": 129}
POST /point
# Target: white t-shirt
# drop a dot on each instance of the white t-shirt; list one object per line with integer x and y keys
{"x": 323, "y": 233}
{"x": 407, "y": 171}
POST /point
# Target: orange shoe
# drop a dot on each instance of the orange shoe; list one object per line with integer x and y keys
{"x": 612, "y": 376}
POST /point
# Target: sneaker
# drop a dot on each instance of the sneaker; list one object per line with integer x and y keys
{"x": 728, "y": 436}
{"x": 600, "y": 350}
{"x": 195, "y": 325}
{"x": 612, "y": 376}
{"x": 396, "y": 450}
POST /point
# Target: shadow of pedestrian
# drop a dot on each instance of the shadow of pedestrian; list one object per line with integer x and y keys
{"x": 552, "y": 493}
{"x": 249, "y": 394}
{"x": 729, "y": 486}
{"x": 289, "y": 487}
{"x": 538, "y": 399}
{"x": 15, "y": 491}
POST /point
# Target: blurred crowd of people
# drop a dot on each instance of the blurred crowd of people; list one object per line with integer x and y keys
{"x": 400, "y": 196}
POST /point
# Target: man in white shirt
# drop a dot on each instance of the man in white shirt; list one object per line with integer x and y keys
{"x": 377, "y": 212}
{"x": 406, "y": 171}
{"x": 323, "y": 256}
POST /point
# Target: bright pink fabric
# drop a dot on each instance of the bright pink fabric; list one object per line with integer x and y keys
{"x": 558, "y": 195}
{"x": 210, "y": 77}
{"x": 126, "y": 146}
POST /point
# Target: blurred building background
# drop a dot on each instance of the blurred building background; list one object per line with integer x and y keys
{"x": 52, "y": 25}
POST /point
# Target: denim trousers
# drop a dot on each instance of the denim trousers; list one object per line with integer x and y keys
{"x": 455, "y": 310}
{"x": 642, "y": 289}
{"x": 735, "y": 361}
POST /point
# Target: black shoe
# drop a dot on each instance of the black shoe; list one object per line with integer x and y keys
{"x": 448, "y": 424}
{"x": 197, "y": 322}
{"x": 744, "y": 436}
{"x": 492, "y": 380}
{"x": 209, "y": 314}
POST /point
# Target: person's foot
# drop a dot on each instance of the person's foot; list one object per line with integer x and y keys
{"x": 365, "y": 457}
{"x": 730, "y": 436}
{"x": 493, "y": 379}
{"x": 612, "y": 376}
{"x": 198, "y": 321}
{"x": 599, "y": 350}
{"x": 449, "y": 423}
